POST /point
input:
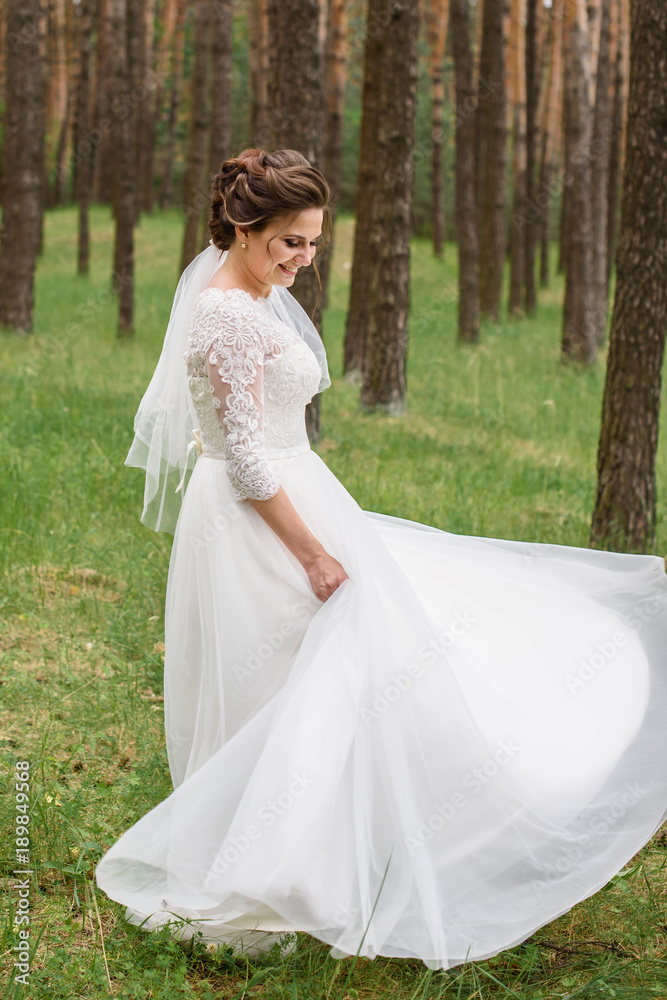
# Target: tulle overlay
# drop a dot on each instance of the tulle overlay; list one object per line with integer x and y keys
{"x": 464, "y": 741}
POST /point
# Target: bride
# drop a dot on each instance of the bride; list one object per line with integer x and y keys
{"x": 402, "y": 741}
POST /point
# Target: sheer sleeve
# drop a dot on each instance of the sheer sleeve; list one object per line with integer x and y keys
{"x": 236, "y": 371}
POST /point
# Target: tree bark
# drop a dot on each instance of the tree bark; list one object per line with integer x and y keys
{"x": 3, "y": 53}
{"x": 383, "y": 372}
{"x": 532, "y": 98}
{"x": 356, "y": 322}
{"x": 466, "y": 215}
{"x": 564, "y": 227}
{"x": 618, "y": 119}
{"x": 169, "y": 149}
{"x": 164, "y": 56}
{"x": 553, "y": 117}
{"x": 195, "y": 195}
{"x": 23, "y": 165}
{"x": 103, "y": 140}
{"x": 602, "y": 136}
{"x": 146, "y": 83}
{"x": 437, "y": 22}
{"x": 258, "y": 28}
{"x": 518, "y": 238}
{"x": 593, "y": 13}
{"x": 335, "y": 64}
{"x": 335, "y": 77}
{"x": 492, "y": 157}
{"x": 83, "y": 163}
{"x": 127, "y": 20}
{"x": 295, "y": 53}
{"x": 220, "y": 99}
{"x": 578, "y": 340}
{"x": 57, "y": 104}
{"x": 624, "y": 516}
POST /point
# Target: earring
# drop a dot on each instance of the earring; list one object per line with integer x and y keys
{"x": 243, "y": 245}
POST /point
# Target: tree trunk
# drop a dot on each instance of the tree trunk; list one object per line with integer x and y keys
{"x": 618, "y": 118}
{"x": 492, "y": 158}
{"x": 56, "y": 97}
{"x": 3, "y": 53}
{"x": 82, "y": 159}
{"x": 59, "y": 189}
{"x": 593, "y": 12}
{"x": 296, "y": 54}
{"x": 518, "y": 241}
{"x": 164, "y": 50}
{"x": 532, "y": 97}
{"x": 602, "y": 133}
{"x": 258, "y": 28}
{"x": 335, "y": 66}
{"x": 220, "y": 98}
{"x": 578, "y": 341}
{"x": 195, "y": 194}
{"x": 104, "y": 140}
{"x": 169, "y": 151}
{"x": 467, "y": 234}
{"x": 624, "y": 516}
{"x": 356, "y": 322}
{"x": 553, "y": 118}
{"x": 127, "y": 20}
{"x": 383, "y": 371}
{"x": 437, "y": 21}
{"x": 23, "y": 164}
{"x": 335, "y": 80}
{"x": 146, "y": 84}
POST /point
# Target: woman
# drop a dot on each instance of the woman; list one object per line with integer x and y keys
{"x": 403, "y": 741}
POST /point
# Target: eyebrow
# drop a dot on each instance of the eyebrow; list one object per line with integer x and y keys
{"x": 295, "y": 236}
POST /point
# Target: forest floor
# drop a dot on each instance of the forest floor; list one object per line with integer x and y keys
{"x": 498, "y": 440}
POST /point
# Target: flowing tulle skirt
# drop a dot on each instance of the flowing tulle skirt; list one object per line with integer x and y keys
{"x": 464, "y": 741}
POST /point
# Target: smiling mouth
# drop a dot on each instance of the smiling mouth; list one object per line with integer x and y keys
{"x": 288, "y": 270}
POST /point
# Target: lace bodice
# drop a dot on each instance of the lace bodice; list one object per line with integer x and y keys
{"x": 250, "y": 378}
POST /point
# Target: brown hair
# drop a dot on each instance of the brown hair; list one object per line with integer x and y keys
{"x": 256, "y": 187}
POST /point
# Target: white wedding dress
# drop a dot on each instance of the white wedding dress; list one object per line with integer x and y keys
{"x": 464, "y": 741}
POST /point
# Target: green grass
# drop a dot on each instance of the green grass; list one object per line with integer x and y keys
{"x": 498, "y": 440}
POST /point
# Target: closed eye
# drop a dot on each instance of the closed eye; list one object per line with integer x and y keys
{"x": 294, "y": 243}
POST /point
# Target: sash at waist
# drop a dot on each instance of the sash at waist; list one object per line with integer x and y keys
{"x": 279, "y": 455}
{"x": 271, "y": 454}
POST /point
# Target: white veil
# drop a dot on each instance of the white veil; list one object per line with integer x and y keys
{"x": 166, "y": 419}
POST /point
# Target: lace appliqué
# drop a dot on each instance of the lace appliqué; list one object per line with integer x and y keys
{"x": 250, "y": 378}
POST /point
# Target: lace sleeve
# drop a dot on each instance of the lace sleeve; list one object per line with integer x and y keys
{"x": 235, "y": 369}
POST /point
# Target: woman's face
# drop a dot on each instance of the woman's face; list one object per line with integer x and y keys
{"x": 277, "y": 262}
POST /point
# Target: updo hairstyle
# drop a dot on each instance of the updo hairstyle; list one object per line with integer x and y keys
{"x": 256, "y": 187}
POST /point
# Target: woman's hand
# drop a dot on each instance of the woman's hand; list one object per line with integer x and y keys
{"x": 325, "y": 574}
